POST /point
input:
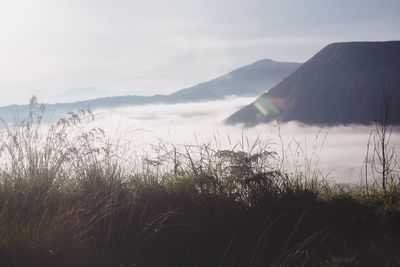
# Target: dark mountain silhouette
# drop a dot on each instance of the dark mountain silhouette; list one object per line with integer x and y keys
{"x": 344, "y": 83}
{"x": 250, "y": 80}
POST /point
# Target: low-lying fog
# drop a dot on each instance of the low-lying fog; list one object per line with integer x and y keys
{"x": 338, "y": 152}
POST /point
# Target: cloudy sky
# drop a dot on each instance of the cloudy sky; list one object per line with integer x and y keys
{"x": 146, "y": 47}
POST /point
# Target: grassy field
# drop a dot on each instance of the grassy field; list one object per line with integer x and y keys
{"x": 68, "y": 199}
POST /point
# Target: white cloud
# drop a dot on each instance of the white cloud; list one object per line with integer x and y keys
{"x": 338, "y": 151}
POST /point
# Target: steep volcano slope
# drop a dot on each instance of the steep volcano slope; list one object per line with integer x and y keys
{"x": 344, "y": 83}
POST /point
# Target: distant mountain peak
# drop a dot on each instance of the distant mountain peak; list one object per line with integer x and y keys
{"x": 249, "y": 80}
{"x": 86, "y": 90}
{"x": 85, "y": 93}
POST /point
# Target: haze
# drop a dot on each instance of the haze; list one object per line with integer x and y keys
{"x": 137, "y": 47}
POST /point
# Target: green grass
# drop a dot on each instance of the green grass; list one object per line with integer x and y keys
{"x": 68, "y": 199}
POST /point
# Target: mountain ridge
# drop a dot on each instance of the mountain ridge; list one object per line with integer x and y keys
{"x": 249, "y": 80}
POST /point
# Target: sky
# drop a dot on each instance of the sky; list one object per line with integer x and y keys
{"x": 48, "y": 47}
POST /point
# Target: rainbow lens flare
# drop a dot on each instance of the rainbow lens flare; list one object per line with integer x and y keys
{"x": 268, "y": 106}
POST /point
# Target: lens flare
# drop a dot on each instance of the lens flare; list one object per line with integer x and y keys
{"x": 267, "y": 106}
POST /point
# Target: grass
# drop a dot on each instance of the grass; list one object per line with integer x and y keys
{"x": 67, "y": 198}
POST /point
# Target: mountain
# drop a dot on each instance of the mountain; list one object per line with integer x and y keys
{"x": 89, "y": 92}
{"x": 344, "y": 83}
{"x": 250, "y": 80}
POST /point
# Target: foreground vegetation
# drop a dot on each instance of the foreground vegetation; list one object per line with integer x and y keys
{"x": 67, "y": 198}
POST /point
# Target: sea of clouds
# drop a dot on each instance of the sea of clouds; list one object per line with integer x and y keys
{"x": 337, "y": 153}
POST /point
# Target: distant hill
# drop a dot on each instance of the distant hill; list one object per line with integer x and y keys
{"x": 250, "y": 80}
{"x": 89, "y": 92}
{"x": 344, "y": 83}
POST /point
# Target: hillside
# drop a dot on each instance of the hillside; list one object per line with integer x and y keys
{"x": 250, "y": 80}
{"x": 344, "y": 83}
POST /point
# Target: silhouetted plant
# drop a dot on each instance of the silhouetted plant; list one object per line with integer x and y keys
{"x": 67, "y": 199}
{"x": 383, "y": 158}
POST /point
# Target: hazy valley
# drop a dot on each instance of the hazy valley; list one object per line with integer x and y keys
{"x": 199, "y": 133}
{"x": 341, "y": 119}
